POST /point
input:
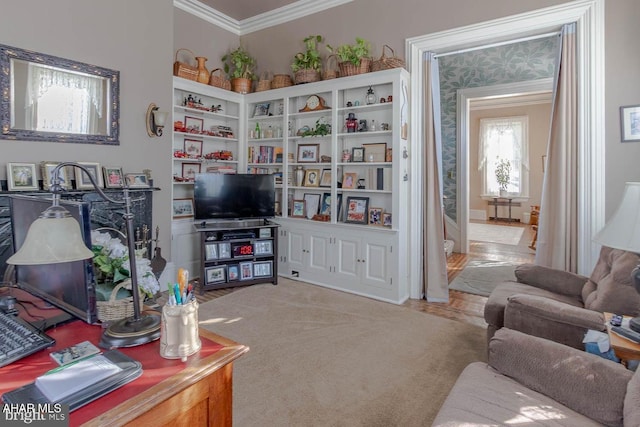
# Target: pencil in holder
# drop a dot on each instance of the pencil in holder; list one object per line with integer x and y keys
{"x": 179, "y": 336}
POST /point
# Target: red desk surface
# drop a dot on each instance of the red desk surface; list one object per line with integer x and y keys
{"x": 155, "y": 368}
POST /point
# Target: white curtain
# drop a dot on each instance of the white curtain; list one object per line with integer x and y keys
{"x": 436, "y": 284}
{"x": 557, "y": 244}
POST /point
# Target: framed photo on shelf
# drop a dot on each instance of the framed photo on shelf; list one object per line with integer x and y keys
{"x": 193, "y": 124}
{"x": 21, "y": 177}
{"x": 262, "y": 269}
{"x": 246, "y": 270}
{"x": 113, "y": 177}
{"x": 136, "y": 180}
{"x": 182, "y": 208}
{"x": 261, "y": 109}
{"x": 312, "y": 204}
{"x": 357, "y": 209}
{"x": 47, "y": 175}
{"x": 386, "y": 219}
{"x": 357, "y": 154}
{"x": 233, "y": 272}
{"x": 224, "y": 250}
{"x": 325, "y": 204}
{"x": 308, "y": 153}
{"x": 216, "y": 274}
{"x": 630, "y": 123}
{"x": 375, "y": 216}
{"x": 311, "y": 178}
{"x": 325, "y": 178}
{"x": 211, "y": 251}
{"x": 263, "y": 247}
{"x": 375, "y": 152}
{"x": 189, "y": 170}
{"x": 83, "y": 182}
{"x": 193, "y": 147}
{"x": 389, "y": 156}
{"x": 349, "y": 180}
{"x": 297, "y": 209}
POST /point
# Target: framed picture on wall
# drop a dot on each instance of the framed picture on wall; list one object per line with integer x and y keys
{"x": 630, "y": 123}
{"x": 183, "y": 208}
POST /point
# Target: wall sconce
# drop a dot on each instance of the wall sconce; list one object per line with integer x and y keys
{"x": 155, "y": 120}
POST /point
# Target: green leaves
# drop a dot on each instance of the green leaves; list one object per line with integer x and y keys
{"x": 352, "y": 52}
{"x": 310, "y": 59}
{"x": 239, "y": 64}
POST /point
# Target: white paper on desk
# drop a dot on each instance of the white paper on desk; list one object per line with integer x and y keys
{"x": 58, "y": 385}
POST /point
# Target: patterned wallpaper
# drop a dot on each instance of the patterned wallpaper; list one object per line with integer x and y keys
{"x": 530, "y": 60}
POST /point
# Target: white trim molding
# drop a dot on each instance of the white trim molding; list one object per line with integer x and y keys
{"x": 268, "y": 19}
{"x": 589, "y": 16}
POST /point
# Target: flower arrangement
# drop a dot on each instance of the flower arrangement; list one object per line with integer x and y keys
{"x": 503, "y": 173}
{"x": 111, "y": 262}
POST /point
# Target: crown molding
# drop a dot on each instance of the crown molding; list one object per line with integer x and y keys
{"x": 274, "y": 17}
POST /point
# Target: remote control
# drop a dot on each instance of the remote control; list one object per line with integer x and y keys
{"x": 626, "y": 333}
{"x": 616, "y": 320}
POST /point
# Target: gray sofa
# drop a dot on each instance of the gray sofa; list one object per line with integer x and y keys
{"x": 562, "y": 306}
{"x": 533, "y": 381}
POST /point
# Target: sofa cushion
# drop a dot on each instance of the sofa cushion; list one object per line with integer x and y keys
{"x": 586, "y": 383}
{"x": 483, "y": 397}
{"x": 497, "y": 301}
{"x": 632, "y": 402}
{"x": 609, "y": 288}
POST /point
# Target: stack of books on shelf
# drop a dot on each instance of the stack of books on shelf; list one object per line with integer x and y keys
{"x": 378, "y": 179}
{"x": 264, "y": 154}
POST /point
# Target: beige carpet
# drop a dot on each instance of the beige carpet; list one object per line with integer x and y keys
{"x": 480, "y": 276}
{"x": 321, "y": 357}
{"x": 503, "y": 234}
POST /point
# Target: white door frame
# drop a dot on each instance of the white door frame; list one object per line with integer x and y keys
{"x": 589, "y": 17}
{"x": 464, "y": 97}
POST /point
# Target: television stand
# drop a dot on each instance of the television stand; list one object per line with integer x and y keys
{"x": 238, "y": 253}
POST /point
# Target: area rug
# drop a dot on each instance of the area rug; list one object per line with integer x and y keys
{"x": 480, "y": 277}
{"x": 495, "y": 233}
{"x": 321, "y": 357}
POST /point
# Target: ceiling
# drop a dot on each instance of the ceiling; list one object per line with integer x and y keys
{"x": 243, "y": 9}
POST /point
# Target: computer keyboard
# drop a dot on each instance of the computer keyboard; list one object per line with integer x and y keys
{"x": 19, "y": 339}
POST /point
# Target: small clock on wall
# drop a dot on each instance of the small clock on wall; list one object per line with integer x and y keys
{"x": 314, "y": 103}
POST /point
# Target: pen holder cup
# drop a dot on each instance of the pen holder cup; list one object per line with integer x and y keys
{"x": 179, "y": 336}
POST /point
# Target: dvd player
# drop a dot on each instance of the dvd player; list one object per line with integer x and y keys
{"x": 233, "y": 235}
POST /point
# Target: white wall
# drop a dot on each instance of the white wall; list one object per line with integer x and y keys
{"x": 133, "y": 37}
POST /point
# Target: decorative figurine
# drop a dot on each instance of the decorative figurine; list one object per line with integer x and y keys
{"x": 371, "y": 97}
{"x": 352, "y": 123}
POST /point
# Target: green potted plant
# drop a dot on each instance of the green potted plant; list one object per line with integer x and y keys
{"x": 239, "y": 67}
{"x": 306, "y": 66}
{"x": 354, "y": 58}
{"x": 503, "y": 175}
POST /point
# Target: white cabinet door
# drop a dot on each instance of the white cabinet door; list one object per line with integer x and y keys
{"x": 348, "y": 258}
{"x": 185, "y": 247}
{"x": 317, "y": 253}
{"x": 376, "y": 258}
{"x": 295, "y": 251}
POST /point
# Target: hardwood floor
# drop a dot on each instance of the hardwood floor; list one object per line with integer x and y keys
{"x": 461, "y": 306}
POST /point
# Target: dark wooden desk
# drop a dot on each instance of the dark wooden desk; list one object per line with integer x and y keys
{"x": 169, "y": 392}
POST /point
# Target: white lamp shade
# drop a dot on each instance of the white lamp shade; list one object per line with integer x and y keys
{"x": 623, "y": 229}
{"x": 52, "y": 241}
{"x": 160, "y": 117}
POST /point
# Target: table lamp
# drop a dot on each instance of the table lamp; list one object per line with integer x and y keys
{"x": 55, "y": 237}
{"x": 623, "y": 232}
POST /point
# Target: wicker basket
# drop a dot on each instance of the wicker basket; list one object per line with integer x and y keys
{"x": 306, "y": 75}
{"x": 219, "y": 80}
{"x": 264, "y": 83}
{"x": 347, "y": 68}
{"x": 281, "y": 80}
{"x": 241, "y": 85}
{"x": 387, "y": 62}
{"x": 116, "y": 309}
{"x": 184, "y": 70}
{"x": 330, "y": 68}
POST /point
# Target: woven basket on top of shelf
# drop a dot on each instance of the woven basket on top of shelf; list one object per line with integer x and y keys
{"x": 184, "y": 70}
{"x": 264, "y": 83}
{"x": 348, "y": 68}
{"x": 387, "y": 62}
{"x": 330, "y": 68}
{"x": 281, "y": 80}
{"x": 218, "y": 80}
{"x": 116, "y": 309}
{"x": 306, "y": 75}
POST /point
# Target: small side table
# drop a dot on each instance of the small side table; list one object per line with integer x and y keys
{"x": 496, "y": 203}
{"x": 625, "y": 349}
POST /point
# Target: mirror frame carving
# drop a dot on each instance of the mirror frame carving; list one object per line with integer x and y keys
{"x": 7, "y": 53}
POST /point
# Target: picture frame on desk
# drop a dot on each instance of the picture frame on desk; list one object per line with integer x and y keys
{"x": 211, "y": 251}
{"x": 113, "y": 176}
{"x": 83, "y": 182}
{"x": 263, "y": 247}
{"x": 357, "y": 154}
{"x": 224, "y": 250}
{"x": 189, "y": 171}
{"x": 298, "y": 209}
{"x": 233, "y": 272}
{"x": 21, "y": 177}
{"x": 193, "y": 124}
{"x": 357, "y": 210}
{"x": 308, "y": 153}
{"x": 386, "y": 219}
{"x": 193, "y": 147}
{"x": 261, "y": 109}
{"x": 325, "y": 178}
{"x": 136, "y": 180}
{"x": 376, "y": 152}
{"x": 311, "y": 178}
{"x": 312, "y": 204}
{"x": 375, "y": 216}
{"x": 182, "y": 208}
{"x": 216, "y": 274}
{"x": 262, "y": 269}
{"x": 46, "y": 168}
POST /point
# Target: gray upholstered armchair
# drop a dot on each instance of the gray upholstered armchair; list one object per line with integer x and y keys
{"x": 562, "y": 306}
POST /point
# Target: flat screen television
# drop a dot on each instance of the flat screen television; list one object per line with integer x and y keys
{"x": 233, "y": 196}
{"x": 68, "y": 285}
